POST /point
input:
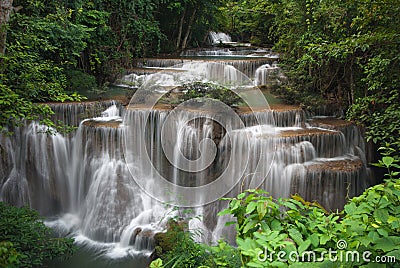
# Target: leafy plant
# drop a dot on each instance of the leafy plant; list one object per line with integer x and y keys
{"x": 9, "y": 257}
{"x": 26, "y": 241}
{"x": 210, "y": 90}
{"x": 288, "y": 225}
{"x": 224, "y": 255}
{"x": 372, "y": 221}
{"x": 178, "y": 249}
{"x": 291, "y": 232}
{"x": 157, "y": 263}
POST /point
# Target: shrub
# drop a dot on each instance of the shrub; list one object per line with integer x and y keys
{"x": 26, "y": 241}
{"x": 177, "y": 248}
{"x": 210, "y": 90}
{"x": 291, "y": 232}
{"x": 369, "y": 223}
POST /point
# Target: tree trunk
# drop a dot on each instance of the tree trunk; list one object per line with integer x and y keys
{"x": 184, "y": 42}
{"x": 5, "y": 12}
{"x": 178, "y": 39}
{"x": 351, "y": 83}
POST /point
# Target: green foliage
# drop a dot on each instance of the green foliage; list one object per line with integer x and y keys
{"x": 210, "y": 90}
{"x": 157, "y": 263}
{"x": 292, "y": 232}
{"x": 53, "y": 36}
{"x": 294, "y": 95}
{"x": 77, "y": 80}
{"x": 372, "y": 220}
{"x": 379, "y": 109}
{"x": 26, "y": 241}
{"x": 341, "y": 51}
{"x": 334, "y": 53}
{"x": 249, "y": 20}
{"x": 9, "y": 257}
{"x": 224, "y": 255}
{"x": 288, "y": 225}
{"x": 176, "y": 248}
{"x": 39, "y": 47}
{"x": 15, "y": 110}
{"x": 33, "y": 79}
{"x": 186, "y": 253}
{"x": 32, "y": 69}
{"x": 270, "y": 231}
{"x": 198, "y": 91}
{"x": 206, "y": 17}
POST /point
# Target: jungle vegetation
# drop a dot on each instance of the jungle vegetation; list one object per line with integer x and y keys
{"x": 344, "y": 53}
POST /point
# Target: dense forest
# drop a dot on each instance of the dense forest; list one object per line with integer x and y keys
{"x": 332, "y": 51}
{"x": 342, "y": 54}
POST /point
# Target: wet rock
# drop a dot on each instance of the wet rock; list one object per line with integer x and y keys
{"x": 107, "y": 124}
{"x": 167, "y": 240}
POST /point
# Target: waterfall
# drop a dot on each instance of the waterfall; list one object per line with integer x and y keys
{"x": 232, "y": 52}
{"x": 218, "y": 38}
{"x": 114, "y": 181}
{"x": 248, "y": 66}
{"x": 269, "y": 75}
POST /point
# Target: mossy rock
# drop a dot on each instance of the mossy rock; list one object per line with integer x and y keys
{"x": 166, "y": 241}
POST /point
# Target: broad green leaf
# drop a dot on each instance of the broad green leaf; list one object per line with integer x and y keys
{"x": 382, "y": 232}
{"x": 365, "y": 240}
{"x": 304, "y": 246}
{"x": 374, "y": 235}
{"x": 249, "y": 225}
{"x": 350, "y": 208}
{"x": 314, "y": 238}
{"x": 272, "y": 235}
{"x": 276, "y": 225}
{"x": 290, "y": 205}
{"x": 323, "y": 239}
{"x": 296, "y": 236}
{"x": 387, "y": 160}
{"x": 251, "y": 207}
{"x": 381, "y": 215}
{"x": 395, "y": 253}
{"x": 387, "y": 243}
{"x": 261, "y": 209}
{"x": 245, "y": 244}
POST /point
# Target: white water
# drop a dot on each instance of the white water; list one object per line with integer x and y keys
{"x": 218, "y": 38}
{"x": 84, "y": 181}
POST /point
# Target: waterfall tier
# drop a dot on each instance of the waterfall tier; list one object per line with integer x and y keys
{"x": 111, "y": 182}
{"x": 247, "y": 66}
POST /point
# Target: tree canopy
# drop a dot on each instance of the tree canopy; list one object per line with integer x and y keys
{"x": 345, "y": 53}
{"x": 51, "y": 49}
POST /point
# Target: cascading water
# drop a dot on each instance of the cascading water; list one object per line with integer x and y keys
{"x": 269, "y": 75}
{"x": 219, "y": 38}
{"x": 258, "y": 64}
{"x": 232, "y": 52}
{"x": 107, "y": 182}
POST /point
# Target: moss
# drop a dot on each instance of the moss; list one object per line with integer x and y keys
{"x": 168, "y": 240}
